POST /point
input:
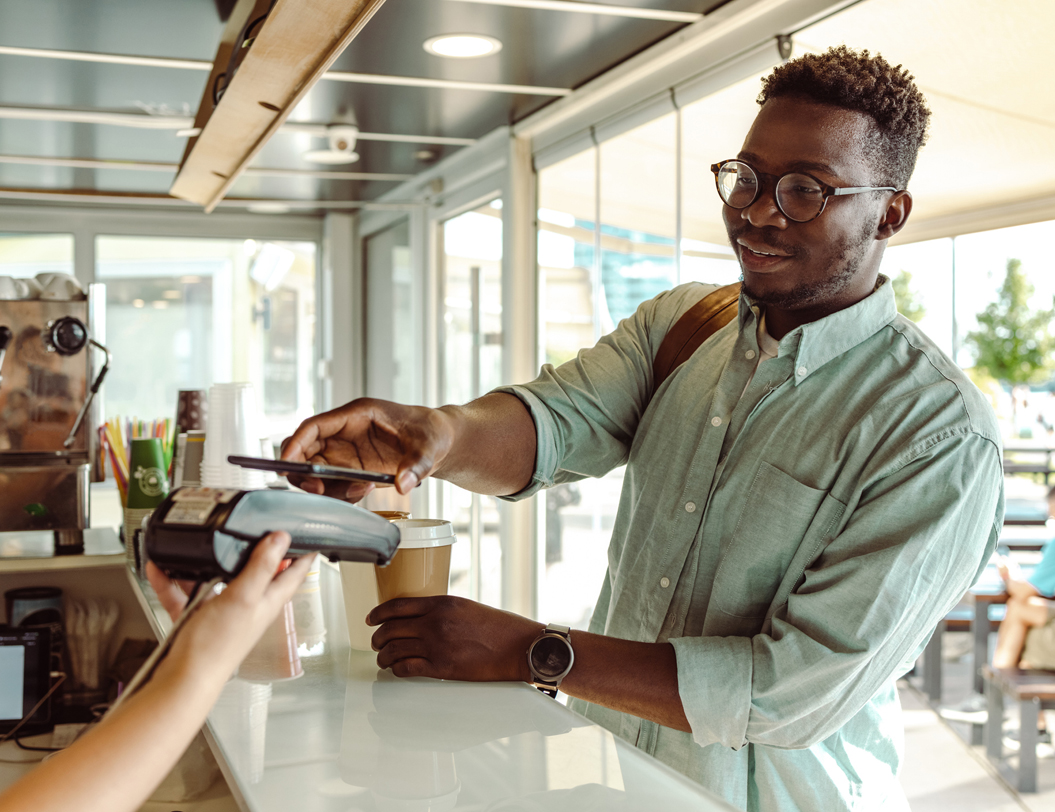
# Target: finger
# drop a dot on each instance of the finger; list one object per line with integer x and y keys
{"x": 409, "y": 478}
{"x": 310, "y": 437}
{"x": 286, "y": 583}
{"x": 306, "y": 483}
{"x": 399, "y": 629}
{"x": 259, "y": 571}
{"x": 399, "y": 608}
{"x": 306, "y": 436}
{"x": 401, "y": 650}
{"x": 414, "y": 667}
{"x": 348, "y": 490}
{"x": 356, "y": 491}
{"x": 170, "y": 595}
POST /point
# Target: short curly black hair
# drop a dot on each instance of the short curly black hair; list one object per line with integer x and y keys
{"x": 855, "y": 80}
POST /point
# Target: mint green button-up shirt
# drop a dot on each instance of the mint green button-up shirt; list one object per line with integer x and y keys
{"x": 795, "y": 533}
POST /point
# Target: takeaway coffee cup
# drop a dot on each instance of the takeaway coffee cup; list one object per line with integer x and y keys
{"x": 422, "y": 565}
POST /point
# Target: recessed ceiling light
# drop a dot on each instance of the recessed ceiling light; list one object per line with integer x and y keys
{"x": 268, "y": 207}
{"x": 463, "y": 46}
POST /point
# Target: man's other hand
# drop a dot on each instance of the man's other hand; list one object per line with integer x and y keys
{"x": 452, "y": 638}
{"x": 372, "y": 435}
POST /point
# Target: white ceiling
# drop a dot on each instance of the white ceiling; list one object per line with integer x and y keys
{"x": 984, "y": 67}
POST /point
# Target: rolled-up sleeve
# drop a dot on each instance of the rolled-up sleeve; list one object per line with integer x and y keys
{"x": 863, "y": 605}
{"x": 586, "y": 411}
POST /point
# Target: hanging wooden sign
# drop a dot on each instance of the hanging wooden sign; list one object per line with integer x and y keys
{"x": 271, "y": 54}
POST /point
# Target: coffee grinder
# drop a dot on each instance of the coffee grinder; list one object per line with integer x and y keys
{"x": 52, "y": 363}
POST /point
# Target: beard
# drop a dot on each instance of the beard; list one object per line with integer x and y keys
{"x": 843, "y": 266}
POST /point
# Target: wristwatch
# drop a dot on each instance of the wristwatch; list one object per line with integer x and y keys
{"x": 550, "y": 658}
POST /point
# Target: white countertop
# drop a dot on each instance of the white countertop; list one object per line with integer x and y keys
{"x": 346, "y": 737}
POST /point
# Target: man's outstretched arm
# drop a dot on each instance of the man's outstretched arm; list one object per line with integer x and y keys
{"x": 487, "y": 446}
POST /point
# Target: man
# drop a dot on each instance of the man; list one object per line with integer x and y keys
{"x": 804, "y": 498}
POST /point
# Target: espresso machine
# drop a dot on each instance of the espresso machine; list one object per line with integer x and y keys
{"x": 52, "y": 363}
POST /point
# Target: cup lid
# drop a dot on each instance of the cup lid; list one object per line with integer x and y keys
{"x": 418, "y": 533}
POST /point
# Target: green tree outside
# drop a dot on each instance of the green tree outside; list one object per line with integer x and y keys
{"x": 1013, "y": 343}
{"x": 908, "y": 304}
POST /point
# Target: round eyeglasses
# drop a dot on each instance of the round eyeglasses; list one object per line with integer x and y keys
{"x": 800, "y": 197}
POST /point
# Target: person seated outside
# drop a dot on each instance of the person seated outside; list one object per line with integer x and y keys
{"x": 118, "y": 764}
{"x": 1027, "y": 633}
{"x": 1026, "y": 638}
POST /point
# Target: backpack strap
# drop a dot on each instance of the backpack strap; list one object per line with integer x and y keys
{"x": 696, "y": 325}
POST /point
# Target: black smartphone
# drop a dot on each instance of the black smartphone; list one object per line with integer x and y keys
{"x": 285, "y": 468}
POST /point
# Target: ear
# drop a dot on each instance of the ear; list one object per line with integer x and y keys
{"x": 895, "y": 215}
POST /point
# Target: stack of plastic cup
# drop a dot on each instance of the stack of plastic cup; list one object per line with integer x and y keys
{"x": 231, "y": 428}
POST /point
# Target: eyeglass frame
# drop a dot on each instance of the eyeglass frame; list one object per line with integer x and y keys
{"x": 826, "y": 188}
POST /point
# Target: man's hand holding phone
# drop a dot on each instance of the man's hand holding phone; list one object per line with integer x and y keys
{"x": 408, "y": 442}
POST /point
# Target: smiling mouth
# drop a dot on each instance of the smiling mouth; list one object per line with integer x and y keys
{"x": 757, "y": 253}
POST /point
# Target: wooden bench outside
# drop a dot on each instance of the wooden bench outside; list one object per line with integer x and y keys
{"x": 1033, "y": 691}
{"x": 1011, "y": 546}
{"x": 1029, "y": 460}
{"x": 960, "y": 619}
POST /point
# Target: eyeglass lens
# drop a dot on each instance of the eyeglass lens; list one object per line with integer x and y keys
{"x": 799, "y": 197}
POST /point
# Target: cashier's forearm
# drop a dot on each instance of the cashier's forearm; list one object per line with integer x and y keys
{"x": 493, "y": 446}
{"x": 117, "y": 765}
{"x": 636, "y": 678}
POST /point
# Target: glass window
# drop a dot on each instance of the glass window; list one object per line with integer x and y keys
{"x": 584, "y": 296}
{"x": 981, "y": 263}
{"x": 638, "y": 215}
{"x": 566, "y": 231}
{"x": 26, "y": 255}
{"x": 712, "y": 130}
{"x": 472, "y": 365}
{"x": 393, "y": 318}
{"x": 186, "y": 313}
{"x": 574, "y": 545}
{"x": 923, "y": 285}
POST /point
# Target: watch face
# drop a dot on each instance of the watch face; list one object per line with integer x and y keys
{"x": 551, "y": 656}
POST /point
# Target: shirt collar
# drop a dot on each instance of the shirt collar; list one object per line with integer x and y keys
{"x": 815, "y": 344}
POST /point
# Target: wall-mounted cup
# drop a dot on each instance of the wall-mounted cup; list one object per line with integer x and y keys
{"x": 28, "y": 288}
{"x": 62, "y": 287}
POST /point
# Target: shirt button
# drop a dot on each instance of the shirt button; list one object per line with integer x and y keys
{"x": 664, "y": 582}
{"x": 716, "y": 421}
{"x": 690, "y": 507}
{"x": 802, "y": 371}
{"x": 750, "y": 354}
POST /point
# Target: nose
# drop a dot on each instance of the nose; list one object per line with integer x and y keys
{"x": 764, "y": 211}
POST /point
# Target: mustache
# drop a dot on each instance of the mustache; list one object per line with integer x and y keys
{"x": 764, "y": 238}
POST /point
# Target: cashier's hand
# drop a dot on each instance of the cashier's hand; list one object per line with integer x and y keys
{"x": 452, "y": 638}
{"x": 227, "y": 626}
{"x": 372, "y": 435}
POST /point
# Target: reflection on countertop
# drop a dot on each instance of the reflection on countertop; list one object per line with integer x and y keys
{"x": 347, "y": 737}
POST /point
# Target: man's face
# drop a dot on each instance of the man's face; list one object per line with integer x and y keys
{"x": 827, "y": 263}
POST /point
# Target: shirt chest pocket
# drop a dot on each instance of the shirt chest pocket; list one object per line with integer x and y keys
{"x": 778, "y": 514}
